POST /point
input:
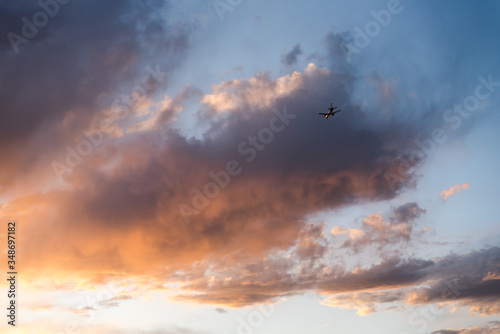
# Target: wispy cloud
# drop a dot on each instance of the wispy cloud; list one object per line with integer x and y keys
{"x": 383, "y": 232}
{"x": 291, "y": 57}
{"x": 492, "y": 327}
{"x": 445, "y": 194}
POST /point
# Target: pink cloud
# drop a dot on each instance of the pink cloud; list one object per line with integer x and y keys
{"x": 445, "y": 194}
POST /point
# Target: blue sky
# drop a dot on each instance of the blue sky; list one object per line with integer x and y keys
{"x": 169, "y": 173}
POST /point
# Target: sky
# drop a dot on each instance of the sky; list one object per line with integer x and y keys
{"x": 168, "y": 172}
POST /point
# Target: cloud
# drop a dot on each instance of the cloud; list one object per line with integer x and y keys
{"x": 118, "y": 212}
{"x": 126, "y": 195}
{"x": 383, "y": 233}
{"x": 454, "y": 279}
{"x": 311, "y": 242}
{"x": 160, "y": 114}
{"x": 90, "y": 66}
{"x": 492, "y": 327}
{"x": 408, "y": 212}
{"x": 260, "y": 91}
{"x": 445, "y": 194}
{"x": 364, "y": 302}
{"x": 451, "y": 280}
{"x": 338, "y": 230}
{"x": 118, "y": 215}
{"x": 290, "y": 58}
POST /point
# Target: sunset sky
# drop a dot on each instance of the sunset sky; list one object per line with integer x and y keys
{"x": 169, "y": 172}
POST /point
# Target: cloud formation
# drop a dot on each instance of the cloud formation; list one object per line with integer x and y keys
{"x": 291, "y": 57}
{"x": 467, "y": 280}
{"x": 445, "y": 194}
{"x": 492, "y": 327}
{"x": 375, "y": 231}
{"x": 459, "y": 279}
{"x": 129, "y": 190}
{"x": 66, "y": 77}
{"x": 118, "y": 213}
{"x": 116, "y": 216}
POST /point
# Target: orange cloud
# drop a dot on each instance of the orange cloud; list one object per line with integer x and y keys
{"x": 445, "y": 194}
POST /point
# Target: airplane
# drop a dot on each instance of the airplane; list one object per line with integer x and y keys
{"x": 332, "y": 112}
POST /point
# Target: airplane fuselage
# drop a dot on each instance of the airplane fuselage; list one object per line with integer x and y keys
{"x": 331, "y": 112}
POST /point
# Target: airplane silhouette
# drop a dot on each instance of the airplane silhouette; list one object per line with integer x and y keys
{"x": 331, "y": 112}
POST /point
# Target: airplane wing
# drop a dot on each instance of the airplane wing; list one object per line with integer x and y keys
{"x": 337, "y": 111}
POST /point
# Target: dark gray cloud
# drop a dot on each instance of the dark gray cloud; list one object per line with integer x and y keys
{"x": 336, "y": 44}
{"x": 73, "y": 68}
{"x": 392, "y": 281}
{"x": 492, "y": 327}
{"x": 383, "y": 234}
{"x": 407, "y": 212}
{"x": 291, "y": 57}
{"x": 472, "y": 279}
{"x": 469, "y": 280}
